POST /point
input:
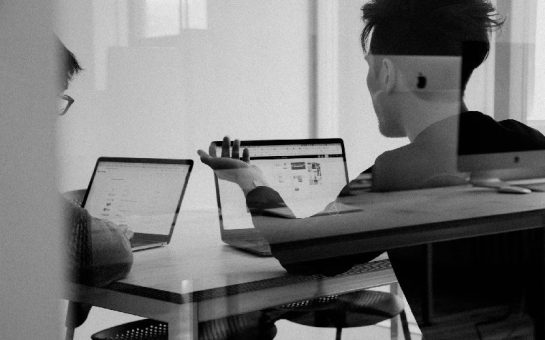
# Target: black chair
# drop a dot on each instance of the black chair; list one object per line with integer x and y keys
{"x": 251, "y": 326}
{"x": 356, "y": 309}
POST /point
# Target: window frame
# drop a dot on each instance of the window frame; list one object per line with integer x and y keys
{"x": 515, "y": 52}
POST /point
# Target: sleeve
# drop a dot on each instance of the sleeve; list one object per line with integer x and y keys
{"x": 265, "y": 201}
{"x": 363, "y": 182}
{"x": 112, "y": 254}
{"x": 98, "y": 252}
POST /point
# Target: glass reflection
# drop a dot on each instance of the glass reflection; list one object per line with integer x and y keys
{"x": 162, "y": 79}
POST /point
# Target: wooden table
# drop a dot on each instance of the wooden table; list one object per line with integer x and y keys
{"x": 162, "y": 280}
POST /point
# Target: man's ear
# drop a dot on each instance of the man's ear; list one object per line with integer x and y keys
{"x": 387, "y": 75}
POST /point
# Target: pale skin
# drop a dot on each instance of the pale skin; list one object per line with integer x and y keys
{"x": 400, "y": 113}
{"x": 231, "y": 168}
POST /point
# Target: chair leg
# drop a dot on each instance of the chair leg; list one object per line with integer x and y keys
{"x": 405, "y": 325}
{"x": 394, "y": 326}
{"x": 76, "y": 314}
{"x": 338, "y": 333}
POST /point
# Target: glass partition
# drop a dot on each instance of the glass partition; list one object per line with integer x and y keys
{"x": 162, "y": 79}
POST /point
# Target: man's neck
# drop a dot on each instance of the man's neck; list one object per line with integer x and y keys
{"x": 427, "y": 114}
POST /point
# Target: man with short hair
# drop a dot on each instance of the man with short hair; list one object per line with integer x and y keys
{"x": 97, "y": 252}
{"x": 467, "y": 271}
{"x": 111, "y": 256}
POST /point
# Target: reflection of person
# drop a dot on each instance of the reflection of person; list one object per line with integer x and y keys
{"x": 477, "y": 270}
{"x": 97, "y": 251}
{"x": 111, "y": 257}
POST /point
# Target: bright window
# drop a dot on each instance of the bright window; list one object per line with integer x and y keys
{"x": 161, "y": 18}
{"x": 166, "y": 18}
{"x": 537, "y": 110}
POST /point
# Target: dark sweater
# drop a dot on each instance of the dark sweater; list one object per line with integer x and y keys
{"x": 484, "y": 270}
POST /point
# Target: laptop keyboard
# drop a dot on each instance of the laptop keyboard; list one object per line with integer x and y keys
{"x": 261, "y": 247}
{"x": 138, "y": 243}
{"x": 537, "y": 187}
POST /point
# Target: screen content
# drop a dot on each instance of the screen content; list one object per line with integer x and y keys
{"x": 307, "y": 176}
{"x": 140, "y": 195}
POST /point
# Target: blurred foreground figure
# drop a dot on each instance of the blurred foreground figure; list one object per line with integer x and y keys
{"x": 97, "y": 251}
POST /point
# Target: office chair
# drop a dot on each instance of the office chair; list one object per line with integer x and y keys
{"x": 250, "y": 326}
{"x": 355, "y": 309}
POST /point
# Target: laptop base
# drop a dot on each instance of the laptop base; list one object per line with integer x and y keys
{"x": 147, "y": 246}
{"x": 254, "y": 247}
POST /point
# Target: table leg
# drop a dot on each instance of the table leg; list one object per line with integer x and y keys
{"x": 427, "y": 308}
{"x": 185, "y": 325}
{"x": 540, "y": 290}
{"x": 394, "y": 322}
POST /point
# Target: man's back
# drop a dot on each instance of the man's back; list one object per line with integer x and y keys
{"x": 467, "y": 273}
{"x": 431, "y": 159}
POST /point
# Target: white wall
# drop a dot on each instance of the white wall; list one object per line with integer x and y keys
{"x": 247, "y": 76}
{"x": 536, "y": 113}
{"x": 30, "y": 224}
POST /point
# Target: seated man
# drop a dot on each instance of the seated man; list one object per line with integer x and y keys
{"x": 485, "y": 271}
{"x": 97, "y": 252}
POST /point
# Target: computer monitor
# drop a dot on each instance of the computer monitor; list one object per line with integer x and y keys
{"x": 513, "y": 89}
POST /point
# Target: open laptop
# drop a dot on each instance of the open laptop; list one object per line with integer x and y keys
{"x": 143, "y": 193}
{"x": 307, "y": 173}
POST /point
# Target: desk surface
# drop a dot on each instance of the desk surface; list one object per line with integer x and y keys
{"x": 198, "y": 267}
{"x": 395, "y": 211}
{"x": 399, "y": 219}
{"x": 196, "y": 260}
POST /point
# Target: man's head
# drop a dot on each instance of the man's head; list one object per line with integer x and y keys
{"x": 423, "y": 28}
{"x": 68, "y": 66}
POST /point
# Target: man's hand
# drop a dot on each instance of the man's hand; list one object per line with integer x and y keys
{"x": 231, "y": 168}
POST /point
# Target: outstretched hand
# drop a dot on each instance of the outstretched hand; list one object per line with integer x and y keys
{"x": 231, "y": 167}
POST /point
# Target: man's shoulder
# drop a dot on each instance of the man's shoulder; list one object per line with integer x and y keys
{"x": 72, "y": 211}
{"x": 405, "y": 168}
{"x": 483, "y": 134}
{"x": 402, "y": 155}
{"x": 480, "y": 120}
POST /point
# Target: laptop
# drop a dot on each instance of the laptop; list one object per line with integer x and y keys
{"x": 143, "y": 193}
{"x": 307, "y": 173}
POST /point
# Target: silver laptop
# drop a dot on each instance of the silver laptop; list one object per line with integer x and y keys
{"x": 144, "y": 194}
{"x": 307, "y": 173}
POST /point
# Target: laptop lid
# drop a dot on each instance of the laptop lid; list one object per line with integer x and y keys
{"x": 143, "y": 193}
{"x": 307, "y": 173}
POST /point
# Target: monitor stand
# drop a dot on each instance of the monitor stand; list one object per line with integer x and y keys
{"x": 486, "y": 180}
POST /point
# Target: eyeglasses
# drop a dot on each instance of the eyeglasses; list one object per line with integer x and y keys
{"x": 64, "y": 103}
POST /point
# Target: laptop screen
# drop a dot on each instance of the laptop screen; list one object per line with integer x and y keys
{"x": 308, "y": 174}
{"x": 145, "y": 196}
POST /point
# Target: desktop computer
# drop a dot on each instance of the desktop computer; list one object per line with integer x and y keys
{"x": 511, "y": 155}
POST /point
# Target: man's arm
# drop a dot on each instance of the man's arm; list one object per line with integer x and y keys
{"x": 112, "y": 254}
{"x": 262, "y": 200}
{"x": 265, "y": 201}
{"x": 98, "y": 251}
